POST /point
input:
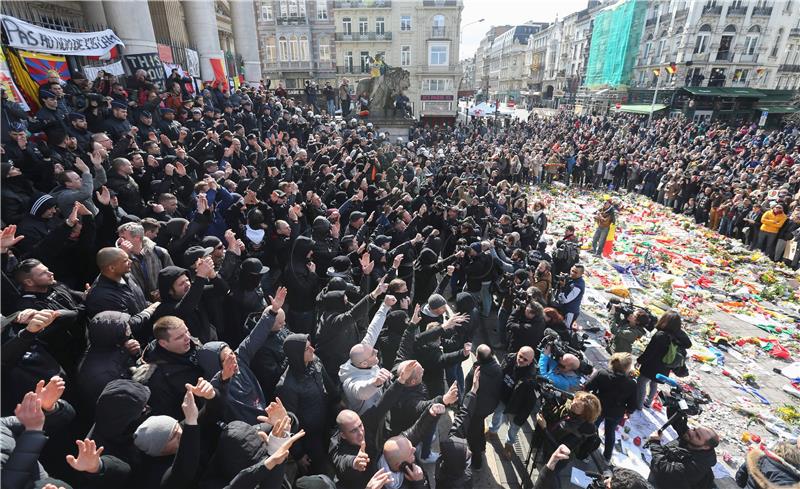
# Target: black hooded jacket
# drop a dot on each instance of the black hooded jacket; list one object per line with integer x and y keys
{"x": 338, "y": 328}
{"x": 189, "y": 307}
{"x": 392, "y": 333}
{"x": 166, "y": 374}
{"x": 523, "y": 331}
{"x": 107, "y": 358}
{"x": 306, "y": 390}
{"x": 453, "y": 469}
{"x": 303, "y": 285}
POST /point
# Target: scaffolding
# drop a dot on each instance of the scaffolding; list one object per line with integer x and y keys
{"x": 616, "y": 34}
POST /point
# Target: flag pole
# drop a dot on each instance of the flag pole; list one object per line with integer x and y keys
{"x": 655, "y": 94}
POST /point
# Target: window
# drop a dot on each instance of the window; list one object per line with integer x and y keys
{"x": 303, "y": 48}
{"x": 348, "y": 61}
{"x": 701, "y": 44}
{"x": 777, "y": 43}
{"x": 437, "y": 55}
{"x": 380, "y": 26}
{"x": 269, "y": 49}
{"x": 364, "y": 61}
{"x": 293, "y": 8}
{"x": 438, "y": 26}
{"x": 405, "y": 23}
{"x": 751, "y": 40}
{"x": 302, "y": 8}
{"x": 293, "y": 54}
{"x": 322, "y": 10}
{"x": 284, "y": 49}
{"x": 266, "y": 12}
{"x": 347, "y": 26}
{"x": 405, "y": 56}
{"x": 740, "y": 76}
{"x": 325, "y": 52}
{"x": 363, "y": 25}
{"x": 436, "y": 85}
{"x": 648, "y": 48}
{"x": 436, "y": 106}
{"x": 284, "y": 8}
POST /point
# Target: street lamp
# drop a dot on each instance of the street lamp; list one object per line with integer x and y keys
{"x": 473, "y": 22}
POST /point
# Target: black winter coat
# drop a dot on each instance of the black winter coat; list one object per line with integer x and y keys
{"x": 616, "y": 391}
{"x": 166, "y": 374}
{"x": 651, "y": 359}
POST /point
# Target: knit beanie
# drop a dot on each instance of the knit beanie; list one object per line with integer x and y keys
{"x": 152, "y": 436}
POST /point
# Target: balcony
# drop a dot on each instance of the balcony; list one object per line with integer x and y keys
{"x": 439, "y": 3}
{"x": 650, "y": 22}
{"x": 789, "y": 68}
{"x": 712, "y": 9}
{"x": 324, "y": 65}
{"x": 762, "y": 11}
{"x": 362, "y": 4}
{"x": 438, "y": 32}
{"x": 724, "y": 56}
{"x": 737, "y": 10}
{"x": 367, "y": 36}
{"x": 664, "y": 18}
{"x": 296, "y": 20}
{"x": 794, "y": 32}
{"x": 681, "y": 13}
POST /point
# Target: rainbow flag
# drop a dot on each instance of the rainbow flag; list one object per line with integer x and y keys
{"x": 38, "y": 64}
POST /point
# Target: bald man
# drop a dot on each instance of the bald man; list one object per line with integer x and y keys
{"x": 355, "y": 447}
{"x": 115, "y": 290}
{"x": 399, "y": 454}
{"x": 487, "y": 398}
{"x": 517, "y": 397}
{"x": 362, "y": 377}
{"x": 561, "y": 372}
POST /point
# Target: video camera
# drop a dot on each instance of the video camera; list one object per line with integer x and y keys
{"x": 558, "y": 348}
{"x": 622, "y": 311}
{"x": 680, "y": 403}
{"x": 550, "y": 392}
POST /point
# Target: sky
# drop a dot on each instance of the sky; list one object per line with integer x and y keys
{"x": 511, "y": 12}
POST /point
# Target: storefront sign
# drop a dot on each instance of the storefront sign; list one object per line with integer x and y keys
{"x": 31, "y": 37}
{"x": 436, "y": 97}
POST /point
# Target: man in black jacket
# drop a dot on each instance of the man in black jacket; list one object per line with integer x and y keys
{"x": 517, "y": 398}
{"x": 479, "y": 274}
{"x": 488, "y": 395}
{"x": 115, "y": 290}
{"x": 684, "y": 463}
{"x": 303, "y": 284}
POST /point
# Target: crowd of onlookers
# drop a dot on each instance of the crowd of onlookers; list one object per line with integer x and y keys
{"x": 238, "y": 289}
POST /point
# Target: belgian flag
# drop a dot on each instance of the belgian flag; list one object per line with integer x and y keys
{"x": 672, "y": 68}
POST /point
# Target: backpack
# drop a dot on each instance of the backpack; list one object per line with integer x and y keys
{"x": 675, "y": 357}
{"x": 567, "y": 253}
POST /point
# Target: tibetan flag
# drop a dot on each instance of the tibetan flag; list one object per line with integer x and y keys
{"x": 672, "y": 68}
{"x": 657, "y": 71}
{"x": 38, "y": 64}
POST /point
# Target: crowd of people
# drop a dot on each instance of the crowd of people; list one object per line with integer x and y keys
{"x": 238, "y": 289}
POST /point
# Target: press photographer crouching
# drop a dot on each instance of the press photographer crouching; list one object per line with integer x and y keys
{"x": 616, "y": 478}
{"x": 686, "y": 462}
{"x": 628, "y": 324}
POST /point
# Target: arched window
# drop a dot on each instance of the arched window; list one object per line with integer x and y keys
{"x": 284, "y": 49}
{"x": 703, "y": 35}
{"x": 293, "y": 55}
{"x": 726, "y": 43}
{"x": 662, "y": 42}
{"x": 648, "y": 46}
{"x": 751, "y": 41}
{"x": 438, "y": 25}
{"x": 303, "y": 48}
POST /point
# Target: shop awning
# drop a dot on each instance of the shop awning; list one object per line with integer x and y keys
{"x": 641, "y": 109}
{"x": 725, "y": 92}
{"x": 778, "y": 109}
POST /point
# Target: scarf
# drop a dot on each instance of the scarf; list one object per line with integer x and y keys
{"x": 254, "y": 235}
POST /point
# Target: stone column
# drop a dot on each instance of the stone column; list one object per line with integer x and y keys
{"x": 245, "y": 37}
{"x": 201, "y": 25}
{"x": 130, "y": 20}
{"x": 94, "y": 13}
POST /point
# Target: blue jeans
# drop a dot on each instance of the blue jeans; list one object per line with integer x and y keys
{"x": 454, "y": 373}
{"x": 599, "y": 240}
{"x": 331, "y": 107}
{"x": 610, "y": 434}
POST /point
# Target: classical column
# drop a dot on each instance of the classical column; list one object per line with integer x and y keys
{"x": 94, "y": 13}
{"x": 245, "y": 37}
{"x": 201, "y": 25}
{"x": 130, "y": 20}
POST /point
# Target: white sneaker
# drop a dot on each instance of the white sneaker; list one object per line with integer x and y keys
{"x": 432, "y": 458}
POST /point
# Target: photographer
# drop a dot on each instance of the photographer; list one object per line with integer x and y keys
{"x": 684, "y": 463}
{"x": 543, "y": 280}
{"x": 509, "y": 288}
{"x": 560, "y": 370}
{"x": 526, "y": 326}
{"x": 570, "y": 295}
{"x": 617, "y": 392}
{"x": 628, "y": 326}
{"x": 618, "y": 479}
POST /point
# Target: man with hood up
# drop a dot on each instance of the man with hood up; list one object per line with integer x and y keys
{"x": 362, "y": 377}
{"x": 306, "y": 390}
{"x": 427, "y": 265}
{"x": 303, "y": 285}
{"x": 230, "y": 371}
{"x": 326, "y": 243}
{"x": 170, "y": 362}
{"x": 453, "y": 470}
{"x": 183, "y": 297}
{"x": 338, "y": 328}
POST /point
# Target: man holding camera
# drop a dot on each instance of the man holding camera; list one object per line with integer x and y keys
{"x": 559, "y": 368}
{"x": 684, "y": 463}
{"x": 571, "y": 294}
{"x": 627, "y": 327}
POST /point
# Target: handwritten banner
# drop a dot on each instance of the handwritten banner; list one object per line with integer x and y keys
{"x": 31, "y": 37}
{"x": 150, "y": 63}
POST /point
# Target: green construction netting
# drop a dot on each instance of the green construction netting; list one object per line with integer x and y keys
{"x": 616, "y": 34}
